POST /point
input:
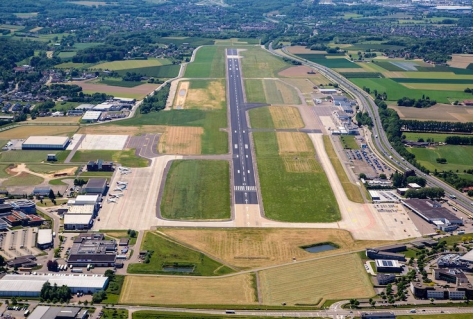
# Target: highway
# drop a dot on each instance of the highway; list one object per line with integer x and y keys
{"x": 245, "y": 190}
{"x": 381, "y": 141}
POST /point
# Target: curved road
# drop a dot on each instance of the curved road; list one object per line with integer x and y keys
{"x": 381, "y": 142}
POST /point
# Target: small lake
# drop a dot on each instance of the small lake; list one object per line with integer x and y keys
{"x": 319, "y": 248}
{"x": 180, "y": 269}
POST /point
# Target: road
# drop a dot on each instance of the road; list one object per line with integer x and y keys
{"x": 245, "y": 190}
{"x": 381, "y": 141}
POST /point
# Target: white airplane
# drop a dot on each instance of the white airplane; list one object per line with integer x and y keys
{"x": 111, "y": 200}
{"x": 122, "y": 183}
{"x": 125, "y": 172}
{"x": 116, "y": 195}
{"x": 118, "y": 189}
{"x": 122, "y": 168}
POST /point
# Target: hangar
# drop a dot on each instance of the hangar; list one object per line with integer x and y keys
{"x": 45, "y": 143}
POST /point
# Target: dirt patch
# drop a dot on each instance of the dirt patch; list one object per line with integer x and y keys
{"x": 286, "y": 117}
{"x": 438, "y": 112}
{"x": 249, "y": 248}
{"x": 294, "y": 143}
{"x": 206, "y": 99}
{"x": 122, "y": 130}
{"x": 56, "y": 119}
{"x": 70, "y": 171}
{"x": 181, "y": 140}
{"x": 297, "y": 71}
{"x": 460, "y": 60}
{"x": 299, "y": 49}
{"x": 178, "y": 290}
{"x": 181, "y": 96}
{"x": 26, "y": 131}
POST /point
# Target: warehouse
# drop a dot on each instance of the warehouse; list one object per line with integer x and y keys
{"x": 391, "y": 266}
{"x": 77, "y": 222}
{"x": 30, "y": 285}
{"x": 99, "y": 253}
{"x": 47, "y": 312}
{"x": 433, "y": 212}
{"x": 45, "y": 238}
{"x": 91, "y": 116}
{"x": 45, "y": 143}
{"x": 96, "y": 186}
{"x": 85, "y": 200}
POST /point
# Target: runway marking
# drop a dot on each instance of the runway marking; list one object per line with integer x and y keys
{"x": 245, "y": 188}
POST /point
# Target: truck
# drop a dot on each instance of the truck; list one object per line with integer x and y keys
{"x": 77, "y": 270}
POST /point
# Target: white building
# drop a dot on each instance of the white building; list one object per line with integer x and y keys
{"x": 45, "y": 238}
{"x": 91, "y": 116}
{"x": 86, "y": 200}
{"x": 78, "y": 222}
{"x": 45, "y": 143}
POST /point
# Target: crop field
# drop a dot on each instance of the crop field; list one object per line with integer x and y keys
{"x": 300, "y": 284}
{"x": 435, "y": 75}
{"x": 254, "y": 91}
{"x": 194, "y": 41}
{"x": 160, "y": 71}
{"x": 349, "y": 75}
{"x": 389, "y": 66}
{"x": 125, "y": 157}
{"x": 66, "y": 54}
{"x": 432, "y": 81}
{"x": 330, "y": 63}
{"x": 57, "y": 119}
{"x": 438, "y": 68}
{"x": 257, "y": 63}
{"x": 460, "y": 60}
{"x": 234, "y": 290}
{"x": 214, "y": 141}
{"x": 277, "y": 92}
{"x": 436, "y": 137}
{"x": 397, "y": 91}
{"x": 183, "y": 140}
{"x": 168, "y": 252}
{"x": 352, "y": 191}
{"x": 293, "y": 196}
{"x": 26, "y": 131}
{"x": 438, "y": 112}
{"x": 458, "y": 157}
{"x": 119, "y": 82}
{"x": 29, "y": 156}
{"x": 131, "y": 64}
{"x": 440, "y": 87}
{"x": 197, "y": 190}
{"x": 137, "y": 92}
{"x": 260, "y": 247}
{"x": 206, "y": 95}
{"x": 285, "y": 117}
{"x": 208, "y": 63}
{"x": 23, "y": 179}
{"x": 73, "y": 65}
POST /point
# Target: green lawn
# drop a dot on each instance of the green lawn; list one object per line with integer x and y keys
{"x": 66, "y": 54}
{"x": 132, "y": 64}
{"x": 125, "y": 157}
{"x": 349, "y": 142}
{"x": 458, "y": 157}
{"x": 197, "y": 190}
{"x": 254, "y": 91}
{"x": 261, "y": 118}
{"x": 292, "y": 196}
{"x": 114, "y": 313}
{"x": 29, "y": 156}
{"x": 113, "y": 290}
{"x": 450, "y": 240}
{"x": 47, "y": 168}
{"x": 208, "y": 63}
{"x": 167, "y": 252}
{"x": 257, "y": 63}
{"x": 272, "y": 93}
{"x": 337, "y": 63}
{"x": 213, "y": 141}
{"x": 24, "y": 179}
{"x": 437, "y": 137}
{"x": 397, "y": 91}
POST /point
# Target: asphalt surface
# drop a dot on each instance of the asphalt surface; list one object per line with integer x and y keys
{"x": 380, "y": 139}
{"x": 245, "y": 189}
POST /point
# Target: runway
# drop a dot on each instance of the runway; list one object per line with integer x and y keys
{"x": 245, "y": 190}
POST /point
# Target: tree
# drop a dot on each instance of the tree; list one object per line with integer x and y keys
{"x": 383, "y": 176}
{"x": 51, "y": 195}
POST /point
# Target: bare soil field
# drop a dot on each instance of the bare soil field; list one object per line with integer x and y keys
{"x": 182, "y": 92}
{"x": 286, "y": 117}
{"x": 460, "y": 60}
{"x": 257, "y": 247}
{"x": 206, "y": 99}
{"x": 121, "y": 130}
{"x": 294, "y": 142}
{"x": 438, "y": 112}
{"x": 311, "y": 282}
{"x": 299, "y": 49}
{"x": 56, "y": 119}
{"x": 28, "y": 130}
{"x": 139, "y": 91}
{"x": 304, "y": 85}
{"x": 181, "y": 140}
{"x": 233, "y": 290}
{"x": 289, "y": 94}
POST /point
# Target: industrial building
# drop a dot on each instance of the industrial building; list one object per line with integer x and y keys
{"x": 433, "y": 212}
{"x": 99, "y": 253}
{"x": 24, "y": 205}
{"x": 85, "y": 200}
{"x": 423, "y": 291}
{"x": 41, "y": 191}
{"x": 45, "y": 238}
{"x": 96, "y": 186}
{"x": 79, "y": 217}
{"x": 391, "y": 266}
{"x": 30, "y": 285}
{"x": 91, "y": 116}
{"x": 343, "y": 102}
{"x": 124, "y": 100}
{"x": 45, "y": 143}
{"x": 379, "y": 254}
{"x": 100, "y": 165}
{"x": 47, "y": 312}
{"x": 383, "y": 279}
{"x": 454, "y": 276}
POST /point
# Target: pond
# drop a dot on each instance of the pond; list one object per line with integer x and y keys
{"x": 319, "y": 248}
{"x": 180, "y": 269}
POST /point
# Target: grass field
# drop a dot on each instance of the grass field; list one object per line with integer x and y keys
{"x": 278, "y": 92}
{"x": 120, "y": 234}
{"x": 248, "y": 248}
{"x": 66, "y": 54}
{"x": 257, "y": 63}
{"x": 30, "y": 156}
{"x": 294, "y": 187}
{"x": 458, "y": 157}
{"x": 23, "y": 179}
{"x": 352, "y": 191}
{"x": 125, "y": 157}
{"x": 113, "y": 290}
{"x": 160, "y": 71}
{"x": 279, "y": 117}
{"x": 184, "y": 140}
{"x": 26, "y": 131}
{"x": 349, "y": 142}
{"x": 197, "y": 190}
{"x": 208, "y": 63}
{"x": 49, "y": 168}
{"x": 213, "y": 140}
{"x": 119, "y": 82}
{"x": 206, "y": 95}
{"x": 131, "y": 64}
{"x": 73, "y": 65}
{"x": 433, "y": 81}
{"x": 114, "y": 313}
{"x": 254, "y": 91}
{"x": 167, "y": 252}
{"x": 300, "y": 284}
{"x": 437, "y": 137}
{"x": 234, "y": 290}
{"x": 437, "y": 86}
{"x": 337, "y": 63}
{"x": 146, "y": 314}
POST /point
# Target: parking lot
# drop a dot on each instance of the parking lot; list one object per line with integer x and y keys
{"x": 366, "y": 162}
{"x": 19, "y": 242}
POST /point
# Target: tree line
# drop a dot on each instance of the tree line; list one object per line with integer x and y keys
{"x": 157, "y": 101}
{"x": 423, "y": 193}
{"x": 54, "y": 293}
{"x": 434, "y": 126}
{"x": 458, "y": 140}
{"x": 420, "y": 103}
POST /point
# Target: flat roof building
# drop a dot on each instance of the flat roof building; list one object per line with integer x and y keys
{"x": 47, "y": 312}
{"x": 433, "y": 212}
{"x": 78, "y": 222}
{"x": 87, "y": 200}
{"x": 384, "y": 265}
{"x": 91, "y": 116}
{"x": 96, "y": 252}
{"x": 45, "y": 238}
{"x": 45, "y": 143}
{"x": 96, "y": 186}
{"x": 85, "y": 107}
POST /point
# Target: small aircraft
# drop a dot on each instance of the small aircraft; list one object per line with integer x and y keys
{"x": 111, "y": 200}
{"x": 122, "y": 168}
{"x": 122, "y": 183}
{"x": 119, "y": 189}
{"x": 116, "y": 195}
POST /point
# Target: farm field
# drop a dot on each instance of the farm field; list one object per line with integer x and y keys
{"x": 234, "y": 290}
{"x": 460, "y": 60}
{"x": 438, "y": 112}
{"x": 160, "y": 71}
{"x": 197, "y": 190}
{"x": 131, "y": 64}
{"x": 125, "y": 157}
{"x": 257, "y": 63}
{"x": 247, "y": 248}
{"x": 137, "y": 92}
{"x": 433, "y": 86}
{"x": 352, "y": 191}
{"x": 208, "y": 63}
{"x": 56, "y": 119}
{"x": 30, "y": 156}
{"x": 279, "y": 117}
{"x": 332, "y": 62}
{"x": 300, "y": 284}
{"x": 183, "y": 140}
{"x": 26, "y": 131}
{"x": 437, "y": 137}
{"x": 114, "y": 129}
{"x": 146, "y": 314}
{"x": 168, "y": 252}
{"x": 292, "y": 181}
{"x": 254, "y": 91}
{"x": 66, "y": 54}
{"x": 206, "y": 95}
{"x": 23, "y": 179}
{"x": 458, "y": 157}
{"x": 214, "y": 141}
{"x": 70, "y": 65}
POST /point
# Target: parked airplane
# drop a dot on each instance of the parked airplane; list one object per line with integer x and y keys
{"x": 121, "y": 168}
{"x": 122, "y": 183}
{"x": 119, "y": 189}
{"x": 116, "y": 195}
{"x": 111, "y": 200}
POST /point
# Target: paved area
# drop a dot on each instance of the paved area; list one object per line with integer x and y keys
{"x": 146, "y": 145}
{"x": 19, "y": 242}
{"x": 103, "y": 142}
